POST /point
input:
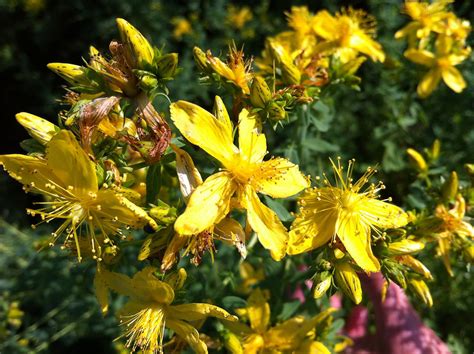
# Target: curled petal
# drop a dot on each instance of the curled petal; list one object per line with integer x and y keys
{"x": 453, "y": 78}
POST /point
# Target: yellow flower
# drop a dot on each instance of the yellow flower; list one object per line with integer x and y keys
{"x": 182, "y": 27}
{"x": 250, "y": 276}
{"x": 442, "y": 65}
{"x": 227, "y": 229}
{"x": 350, "y": 30}
{"x": 67, "y": 178}
{"x": 347, "y": 213}
{"x": 426, "y": 17}
{"x": 150, "y": 310}
{"x": 452, "y": 226}
{"x": 295, "y": 335}
{"x": 244, "y": 174}
{"x": 238, "y": 17}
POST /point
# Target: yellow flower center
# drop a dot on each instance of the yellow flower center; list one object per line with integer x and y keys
{"x": 444, "y": 63}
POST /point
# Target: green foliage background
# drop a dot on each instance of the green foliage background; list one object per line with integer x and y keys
{"x": 374, "y": 125}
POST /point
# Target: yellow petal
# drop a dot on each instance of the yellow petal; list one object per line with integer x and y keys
{"x": 188, "y": 175}
{"x": 279, "y": 178}
{"x": 253, "y": 344}
{"x": 453, "y": 78}
{"x": 189, "y": 334}
{"x": 356, "y": 239}
{"x": 325, "y": 25}
{"x": 444, "y": 247}
{"x": 312, "y": 347}
{"x": 429, "y": 82}
{"x": 209, "y": 204}
{"x": 220, "y": 112}
{"x": 364, "y": 44}
{"x": 199, "y": 311}
{"x": 411, "y": 28}
{"x": 419, "y": 56}
{"x": 101, "y": 292}
{"x": 70, "y": 163}
{"x": 147, "y": 287}
{"x": 30, "y": 171}
{"x": 270, "y": 231}
{"x": 203, "y": 129}
{"x": 382, "y": 214}
{"x": 252, "y": 142}
{"x": 230, "y": 230}
{"x": 258, "y": 311}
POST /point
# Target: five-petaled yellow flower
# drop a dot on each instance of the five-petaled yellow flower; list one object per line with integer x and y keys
{"x": 295, "y": 335}
{"x": 442, "y": 66}
{"x": 345, "y": 212}
{"x": 149, "y": 310}
{"x": 350, "y": 30}
{"x": 244, "y": 174}
{"x": 67, "y": 178}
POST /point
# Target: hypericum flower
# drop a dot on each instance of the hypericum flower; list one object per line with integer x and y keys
{"x": 349, "y": 30}
{"x": 244, "y": 174}
{"x": 344, "y": 212}
{"x": 238, "y": 17}
{"x": 427, "y": 17}
{"x": 150, "y": 310}
{"x": 452, "y": 226}
{"x": 182, "y": 27}
{"x": 227, "y": 229}
{"x": 442, "y": 65}
{"x": 67, "y": 178}
{"x": 295, "y": 335}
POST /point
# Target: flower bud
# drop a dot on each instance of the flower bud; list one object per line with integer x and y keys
{"x": 290, "y": 74}
{"x": 417, "y": 160}
{"x": 166, "y": 65}
{"x": 163, "y": 214}
{"x": 138, "y": 50}
{"x": 469, "y": 168}
{"x": 415, "y": 265}
{"x": 76, "y": 75}
{"x": 435, "y": 149}
{"x": 38, "y": 128}
{"x": 177, "y": 279}
{"x": 232, "y": 343}
{"x": 201, "y": 59}
{"x": 405, "y": 247}
{"x": 450, "y": 187}
{"x": 469, "y": 253}
{"x": 422, "y": 290}
{"x": 276, "y": 112}
{"x": 260, "y": 93}
{"x": 321, "y": 284}
{"x": 347, "y": 280}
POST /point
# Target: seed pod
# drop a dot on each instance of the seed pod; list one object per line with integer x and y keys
{"x": 166, "y": 65}
{"x": 450, "y": 187}
{"x": 405, "y": 247}
{"x": 38, "y": 128}
{"x": 260, "y": 93}
{"x": 138, "y": 50}
{"x": 422, "y": 290}
{"x": 347, "y": 280}
{"x": 417, "y": 160}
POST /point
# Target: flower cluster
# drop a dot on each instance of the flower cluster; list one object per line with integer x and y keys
{"x": 437, "y": 40}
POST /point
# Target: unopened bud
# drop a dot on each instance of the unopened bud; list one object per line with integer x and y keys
{"x": 393, "y": 271}
{"x": 260, "y": 93}
{"x": 321, "y": 284}
{"x": 177, "y": 279}
{"x": 450, "y": 187}
{"x": 38, "y": 128}
{"x": 435, "y": 149}
{"x": 405, "y": 247}
{"x": 417, "y": 160}
{"x": 232, "y": 343}
{"x": 276, "y": 112}
{"x": 74, "y": 74}
{"x": 166, "y": 65}
{"x": 422, "y": 290}
{"x": 347, "y": 280}
{"x": 163, "y": 214}
{"x": 415, "y": 265}
{"x": 469, "y": 253}
{"x": 201, "y": 59}
{"x": 138, "y": 50}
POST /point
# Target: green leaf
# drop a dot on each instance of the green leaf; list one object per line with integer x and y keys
{"x": 289, "y": 308}
{"x": 321, "y": 116}
{"x": 277, "y": 206}
{"x": 320, "y": 145}
{"x": 233, "y": 302}
{"x": 153, "y": 183}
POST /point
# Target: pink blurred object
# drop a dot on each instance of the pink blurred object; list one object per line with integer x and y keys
{"x": 399, "y": 329}
{"x": 298, "y": 294}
